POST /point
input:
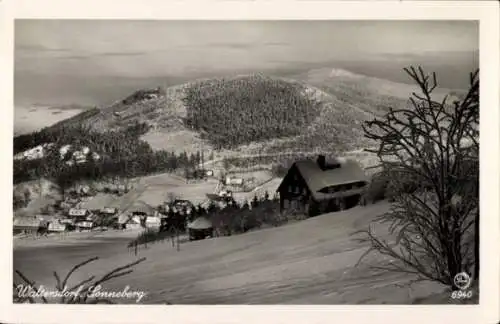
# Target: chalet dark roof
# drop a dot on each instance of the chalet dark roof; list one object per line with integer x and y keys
{"x": 316, "y": 178}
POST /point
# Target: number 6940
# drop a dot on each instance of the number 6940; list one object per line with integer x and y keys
{"x": 460, "y": 294}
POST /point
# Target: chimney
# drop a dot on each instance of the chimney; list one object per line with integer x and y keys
{"x": 321, "y": 162}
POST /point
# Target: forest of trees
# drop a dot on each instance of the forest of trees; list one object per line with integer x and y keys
{"x": 122, "y": 154}
{"x": 61, "y": 131}
{"x": 239, "y": 111}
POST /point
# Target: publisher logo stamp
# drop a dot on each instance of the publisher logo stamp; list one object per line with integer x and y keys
{"x": 462, "y": 281}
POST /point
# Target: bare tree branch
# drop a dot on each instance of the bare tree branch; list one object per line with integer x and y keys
{"x": 430, "y": 155}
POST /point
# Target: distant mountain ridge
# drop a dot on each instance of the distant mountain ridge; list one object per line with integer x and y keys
{"x": 339, "y": 101}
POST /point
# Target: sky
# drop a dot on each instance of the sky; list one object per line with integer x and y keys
{"x": 92, "y": 62}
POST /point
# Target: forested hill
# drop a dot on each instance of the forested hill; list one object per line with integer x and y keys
{"x": 231, "y": 112}
{"x": 272, "y": 114}
{"x": 227, "y": 112}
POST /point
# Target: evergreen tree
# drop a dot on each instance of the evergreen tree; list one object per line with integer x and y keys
{"x": 255, "y": 201}
{"x": 211, "y": 207}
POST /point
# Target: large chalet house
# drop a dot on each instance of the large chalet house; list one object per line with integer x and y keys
{"x": 316, "y": 187}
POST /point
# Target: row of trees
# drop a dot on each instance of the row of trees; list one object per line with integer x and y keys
{"x": 139, "y": 164}
{"x": 77, "y": 127}
{"x": 68, "y": 129}
{"x": 230, "y": 219}
{"x": 121, "y": 154}
{"x": 239, "y": 111}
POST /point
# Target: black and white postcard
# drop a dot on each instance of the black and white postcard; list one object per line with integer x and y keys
{"x": 257, "y": 159}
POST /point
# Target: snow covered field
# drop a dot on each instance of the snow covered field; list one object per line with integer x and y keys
{"x": 308, "y": 262}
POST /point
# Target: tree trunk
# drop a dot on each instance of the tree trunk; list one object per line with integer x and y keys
{"x": 451, "y": 244}
{"x": 178, "y": 246}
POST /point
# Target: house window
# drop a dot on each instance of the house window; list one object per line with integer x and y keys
{"x": 290, "y": 189}
{"x": 297, "y": 189}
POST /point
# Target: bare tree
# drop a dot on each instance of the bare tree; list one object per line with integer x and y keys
{"x": 435, "y": 146}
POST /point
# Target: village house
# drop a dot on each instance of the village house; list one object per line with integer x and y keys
{"x": 46, "y": 218}
{"x": 142, "y": 209}
{"x": 153, "y": 222}
{"x": 316, "y": 187}
{"x": 233, "y": 181}
{"x": 56, "y": 226}
{"x": 82, "y": 218}
{"x": 27, "y": 224}
{"x": 129, "y": 222}
{"x": 78, "y": 213}
{"x": 53, "y": 223}
{"x": 142, "y": 213}
{"x": 108, "y": 211}
{"x": 67, "y": 221}
{"x": 200, "y": 228}
{"x": 137, "y": 216}
{"x": 84, "y": 225}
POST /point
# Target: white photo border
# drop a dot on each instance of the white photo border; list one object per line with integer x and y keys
{"x": 487, "y": 12}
